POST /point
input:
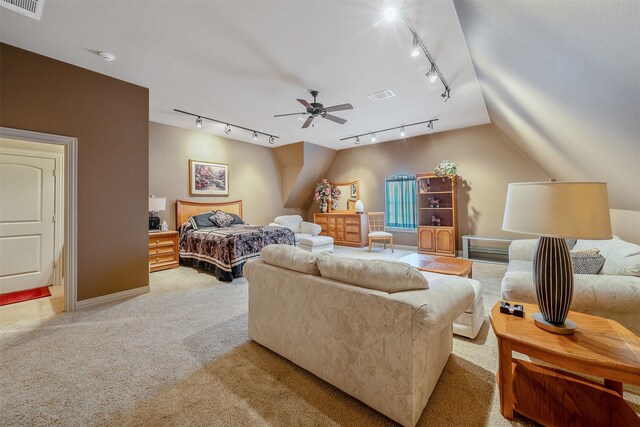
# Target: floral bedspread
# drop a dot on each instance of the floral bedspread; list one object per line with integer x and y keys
{"x": 225, "y": 250}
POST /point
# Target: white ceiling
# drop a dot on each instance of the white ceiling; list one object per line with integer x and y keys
{"x": 244, "y": 61}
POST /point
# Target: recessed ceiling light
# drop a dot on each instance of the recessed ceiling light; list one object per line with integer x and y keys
{"x": 107, "y": 56}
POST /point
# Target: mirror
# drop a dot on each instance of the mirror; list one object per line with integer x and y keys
{"x": 349, "y": 193}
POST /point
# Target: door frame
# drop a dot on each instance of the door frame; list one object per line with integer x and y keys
{"x": 70, "y": 196}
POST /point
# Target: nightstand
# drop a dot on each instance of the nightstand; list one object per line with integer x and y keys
{"x": 163, "y": 250}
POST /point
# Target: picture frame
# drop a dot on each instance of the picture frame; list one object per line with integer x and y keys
{"x": 208, "y": 179}
{"x": 354, "y": 190}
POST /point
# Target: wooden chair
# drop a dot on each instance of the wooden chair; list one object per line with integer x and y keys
{"x": 377, "y": 230}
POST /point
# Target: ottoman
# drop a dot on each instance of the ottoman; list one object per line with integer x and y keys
{"x": 316, "y": 244}
{"x": 468, "y": 323}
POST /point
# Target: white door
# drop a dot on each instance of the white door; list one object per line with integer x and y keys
{"x": 27, "y": 207}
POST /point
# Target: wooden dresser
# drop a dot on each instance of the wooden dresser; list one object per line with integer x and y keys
{"x": 347, "y": 229}
{"x": 163, "y": 250}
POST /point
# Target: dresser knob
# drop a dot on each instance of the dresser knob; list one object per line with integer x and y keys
{"x": 157, "y": 250}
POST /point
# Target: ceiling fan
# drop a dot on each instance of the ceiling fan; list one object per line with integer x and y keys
{"x": 316, "y": 109}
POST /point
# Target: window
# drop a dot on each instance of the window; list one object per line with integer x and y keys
{"x": 400, "y": 197}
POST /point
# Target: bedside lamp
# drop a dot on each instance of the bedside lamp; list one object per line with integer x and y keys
{"x": 156, "y": 204}
{"x": 554, "y": 211}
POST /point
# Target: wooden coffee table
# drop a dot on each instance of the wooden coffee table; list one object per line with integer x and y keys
{"x": 440, "y": 264}
{"x": 599, "y": 347}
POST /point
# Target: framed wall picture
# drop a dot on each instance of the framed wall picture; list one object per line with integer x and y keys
{"x": 208, "y": 179}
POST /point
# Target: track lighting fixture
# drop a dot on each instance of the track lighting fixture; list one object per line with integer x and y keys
{"x": 432, "y": 74}
{"x": 403, "y": 132}
{"x": 446, "y": 95}
{"x": 416, "y": 49}
{"x": 227, "y": 126}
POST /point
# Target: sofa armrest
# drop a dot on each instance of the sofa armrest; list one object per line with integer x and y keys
{"x": 274, "y": 224}
{"x": 522, "y": 250}
{"x": 310, "y": 228}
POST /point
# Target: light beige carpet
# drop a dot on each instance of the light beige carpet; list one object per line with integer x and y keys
{"x": 180, "y": 355}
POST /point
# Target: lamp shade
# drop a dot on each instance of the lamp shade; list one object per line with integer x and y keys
{"x": 558, "y": 209}
{"x": 157, "y": 204}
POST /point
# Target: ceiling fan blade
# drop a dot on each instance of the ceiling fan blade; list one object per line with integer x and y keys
{"x": 305, "y": 103}
{"x": 339, "y": 108}
{"x": 335, "y": 119}
{"x": 290, "y": 114}
{"x": 308, "y": 122}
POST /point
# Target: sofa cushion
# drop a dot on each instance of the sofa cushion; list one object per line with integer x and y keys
{"x": 587, "y": 262}
{"x": 292, "y": 222}
{"x": 387, "y": 276}
{"x": 621, "y": 258}
{"x": 291, "y": 258}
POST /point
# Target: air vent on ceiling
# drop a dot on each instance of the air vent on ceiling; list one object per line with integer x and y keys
{"x": 381, "y": 95}
{"x": 30, "y": 8}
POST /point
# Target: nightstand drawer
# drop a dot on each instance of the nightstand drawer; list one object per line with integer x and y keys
{"x": 161, "y": 258}
{"x": 161, "y": 241}
{"x": 161, "y": 250}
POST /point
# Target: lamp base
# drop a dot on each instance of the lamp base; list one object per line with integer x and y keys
{"x": 566, "y": 328}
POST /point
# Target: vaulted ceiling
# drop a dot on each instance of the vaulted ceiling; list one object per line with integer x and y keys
{"x": 561, "y": 79}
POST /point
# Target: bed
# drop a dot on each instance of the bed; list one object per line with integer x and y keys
{"x": 223, "y": 251}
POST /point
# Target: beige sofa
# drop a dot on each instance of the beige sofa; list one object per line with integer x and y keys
{"x": 329, "y": 315}
{"x": 614, "y": 293}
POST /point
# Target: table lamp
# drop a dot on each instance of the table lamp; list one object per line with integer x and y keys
{"x": 156, "y": 204}
{"x": 555, "y": 211}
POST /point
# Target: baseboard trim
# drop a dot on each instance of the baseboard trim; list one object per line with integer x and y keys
{"x": 115, "y": 297}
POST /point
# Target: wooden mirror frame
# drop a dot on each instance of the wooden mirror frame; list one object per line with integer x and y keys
{"x": 348, "y": 183}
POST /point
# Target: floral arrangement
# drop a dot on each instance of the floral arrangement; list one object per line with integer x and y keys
{"x": 446, "y": 169}
{"x": 325, "y": 192}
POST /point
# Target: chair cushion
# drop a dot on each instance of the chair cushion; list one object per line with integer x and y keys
{"x": 291, "y": 258}
{"x": 292, "y": 222}
{"x": 380, "y": 234}
{"x": 387, "y": 276}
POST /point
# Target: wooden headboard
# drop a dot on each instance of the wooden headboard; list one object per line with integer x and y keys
{"x": 187, "y": 208}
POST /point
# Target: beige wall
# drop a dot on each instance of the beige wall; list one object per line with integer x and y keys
{"x": 254, "y": 171}
{"x": 110, "y": 118}
{"x": 486, "y": 164}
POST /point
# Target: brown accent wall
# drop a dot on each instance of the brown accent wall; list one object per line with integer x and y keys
{"x": 254, "y": 171}
{"x": 110, "y": 118}
{"x": 486, "y": 164}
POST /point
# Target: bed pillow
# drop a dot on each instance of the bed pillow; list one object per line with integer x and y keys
{"x": 236, "y": 219}
{"x": 587, "y": 261}
{"x": 201, "y": 221}
{"x": 291, "y": 258}
{"x": 386, "y": 276}
{"x": 221, "y": 219}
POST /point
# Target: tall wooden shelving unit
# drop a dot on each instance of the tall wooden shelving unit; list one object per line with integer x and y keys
{"x": 437, "y": 239}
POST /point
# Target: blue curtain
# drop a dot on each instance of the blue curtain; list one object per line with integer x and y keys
{"x": 400, "y": 201}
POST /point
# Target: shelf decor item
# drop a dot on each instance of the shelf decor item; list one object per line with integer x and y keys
{"x": 555, "y": 211}
{"x": 156, "y": 204}
{"x": 325, "y": 193}
{"x": 359, "y": 206}
{"x": 208, "y": 179}
{"x": 446, "y": 169}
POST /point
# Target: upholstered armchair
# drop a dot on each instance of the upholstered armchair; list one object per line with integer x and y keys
{"x": 299, "y": 227}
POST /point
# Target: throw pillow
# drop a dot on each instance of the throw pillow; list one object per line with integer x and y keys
{"x": 571, "y": 243}
{"x": 221, "y": 219}
{"x": 291, "y": 258}
{"x": 587, "y": 261}
{"x": 386, "y": 276}
{"x": 201, "y": 221}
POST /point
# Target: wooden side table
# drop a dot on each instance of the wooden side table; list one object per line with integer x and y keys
{"x": 163, "y": 250}
{"x": 599, "y": 347}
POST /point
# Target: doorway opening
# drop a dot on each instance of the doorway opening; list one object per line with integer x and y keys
{"x": 38, "y": 217}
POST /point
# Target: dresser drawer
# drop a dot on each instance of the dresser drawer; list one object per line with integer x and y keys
{"x": 355, "y": 220}
{"x": 161, "y": 250}
{"x": 161, "y": 258}
{"x": 155, "y": 241}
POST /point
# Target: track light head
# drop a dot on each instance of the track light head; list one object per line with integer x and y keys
{"x": 430, "y": 126}
{"x": 390, "y": 14}
{"x": 255, "y": 135}
{"x": 373, "y": 137}
{"x": 227, "y": 129}
{"x": 357, "y": 140}
{"x": 432, "y": 74}
{"x": 402, "y": 132}
{"x": 416, "y": 50}
{"x": 446, "y": 95}
{"x": 271, "y": 140}
{"x": 198, "y": 122}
